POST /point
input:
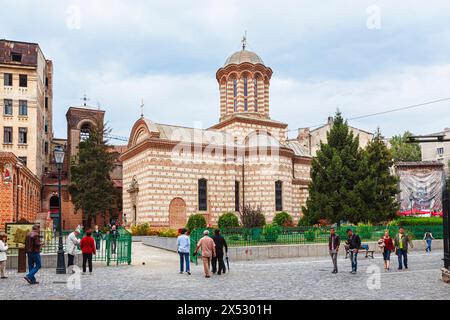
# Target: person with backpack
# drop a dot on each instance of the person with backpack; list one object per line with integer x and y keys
{"x": 401, "y": 242}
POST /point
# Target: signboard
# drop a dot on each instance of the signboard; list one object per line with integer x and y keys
{"x": 17, "y": 234}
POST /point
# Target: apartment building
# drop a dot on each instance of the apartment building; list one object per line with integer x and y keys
{"x": 26, "y": 93}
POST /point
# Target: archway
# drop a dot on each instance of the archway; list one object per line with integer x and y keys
{"x": 54, "y": 211}
{"x": 177, "y": 213}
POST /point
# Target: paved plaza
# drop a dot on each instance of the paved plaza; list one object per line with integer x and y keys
{"x": 300, "y": 278}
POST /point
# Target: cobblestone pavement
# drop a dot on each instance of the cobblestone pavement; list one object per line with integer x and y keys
{"x": 301, "y": 278}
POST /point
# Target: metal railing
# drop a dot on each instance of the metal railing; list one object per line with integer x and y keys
{"x": 240, "y": 237}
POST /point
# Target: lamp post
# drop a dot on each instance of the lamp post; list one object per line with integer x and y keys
{"x": 59, "y": 160}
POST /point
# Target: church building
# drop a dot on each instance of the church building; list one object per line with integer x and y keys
{"x": 171, "y": 172}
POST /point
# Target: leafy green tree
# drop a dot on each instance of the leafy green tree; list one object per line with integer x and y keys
{"x": 377, "y": 189}
{"x": 196, "y": 221}
{"x": 403, "y": 151}
{"x": 91, "y": 187}
{"x": 334, "y": 173}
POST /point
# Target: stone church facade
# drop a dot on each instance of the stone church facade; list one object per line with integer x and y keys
{"x": 171, "y": 172}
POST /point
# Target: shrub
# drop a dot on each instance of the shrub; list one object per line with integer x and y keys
{"x": 415, "y": 221}
{"x": 283, "y": 219}
{"x": 252, "y": 217}
{"x": 140, "y": 229}
{"x": 271, "y": 232}
{"x": 168, "y": 233}
{"x": 364, "y": 231}
{"x": 310, "y": 235}
{"x": 228, "y": 220}
{"x": 303, "y": 222}
{"x": 196, "y": 221}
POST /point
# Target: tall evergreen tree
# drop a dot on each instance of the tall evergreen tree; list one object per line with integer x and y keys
{"x": 91, "y": 187}
{"x": 334, "y": 174}
{"x": 376, "y": 191}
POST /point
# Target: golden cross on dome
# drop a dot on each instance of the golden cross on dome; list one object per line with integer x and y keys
{"x": 142, "y": 108}
{"x": 244, "y": 41}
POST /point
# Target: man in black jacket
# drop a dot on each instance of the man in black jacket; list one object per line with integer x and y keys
{"x": 333, "y": 245}
{"x": 354, "y": 243}
{"x": 220, "y": 245}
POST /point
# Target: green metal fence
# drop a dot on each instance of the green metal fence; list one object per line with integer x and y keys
{"x": 109, "y": 249}
{"x": 241, "y": 237}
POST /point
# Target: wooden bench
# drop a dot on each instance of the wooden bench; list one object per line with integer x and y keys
{"x": 369, "y": 253}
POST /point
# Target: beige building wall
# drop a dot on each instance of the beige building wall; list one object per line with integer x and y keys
{"x": 438, "y": 151}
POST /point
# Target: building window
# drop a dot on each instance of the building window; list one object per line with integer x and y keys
{"x": 46, "y": 82}
{"x": 23, "y": 135}
{"x": 46, "y": 147}
{"x": 255, "y": 90}
{"x": 7, "y": 135}
{"x": 23, "y": 107}
{"x": 23, "y": 80}
{"x": 245, "y": 86}
{"x": 245, "y": 104}
{"x": 7, "y": 79}
{"x": 23, "y": 160}
{"x": 278, "y": 196}
{"x": 46, "y": 103}
{"x": 46, "y": 126}
{"x": 202, "y": 195}
{"x": 235, "y": 94}
{"x": 236, "y": 196}
{"x": 440, "y": 151}
{"x": 16, "y": 57}
{"x": 85, "y": 132}
{"x": 8, "y": 109}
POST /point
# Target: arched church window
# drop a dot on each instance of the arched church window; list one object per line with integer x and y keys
{"x": 245, "y": 93}
{"x": 255, "y": 90}
{"x": 279, "y": 196}
{"x": 202, "y": 195}
{"x": 235, "y": 94}
{"x": 85, "y": 132}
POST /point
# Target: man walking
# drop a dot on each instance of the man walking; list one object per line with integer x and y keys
{"x": 184, "y": 248}
{"x": 333, "y": 245}
{"x": 72, "y": 244}
{"x": 114, "y": 237}
{"x": 208, "y": 251}
{"x": 354, "y": 243}
{"x": 220, "y": 243}
{"x": 401, "y": 242}
{"x": 33, "y": 249}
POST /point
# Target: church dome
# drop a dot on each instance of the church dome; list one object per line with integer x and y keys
{"x": 244, "y": 56}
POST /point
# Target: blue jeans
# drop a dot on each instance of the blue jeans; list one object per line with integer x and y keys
{"x": 402, "y": 253}
{"x": 387, "y": 255}
{"x": 428, "y": 249}
{"x": 34, "y": 264}
{"x": 354, "y": 259}
{"x": 184, "y": 256}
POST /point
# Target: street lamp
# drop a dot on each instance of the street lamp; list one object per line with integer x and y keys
{"x": 59, "y": 160}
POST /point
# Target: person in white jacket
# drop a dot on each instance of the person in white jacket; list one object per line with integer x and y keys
{"x": 3, "y": 256}
{"x": 72, "y": 243}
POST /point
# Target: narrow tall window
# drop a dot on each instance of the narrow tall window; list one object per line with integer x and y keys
{"x": 23, "y": 135}
{"x": 278, "y": 196}
{"x": 7, "y": 135}
{"x": 46, "y": 103}
{"x": 7, "y": 79}
{"x": 245, "y": 93}
{"x": 23, "y": 80}
{"x": 23, "y": 107}
{"x": 46, "y": 147}
{"x": 8, "y": 108}
{"x": 46, "y": 126}
{"x": 202, "y": 195}
{"x": 255, "y": 90}
{"x": 236, "y": 196}
{"x": 235, "y": 94}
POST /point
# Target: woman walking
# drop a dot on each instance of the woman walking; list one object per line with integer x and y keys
{"x": 428, "y": 238}
{"x": 87, "y": 246}
{"x": 3, "y": 256}
{"x": 388, "y": 246}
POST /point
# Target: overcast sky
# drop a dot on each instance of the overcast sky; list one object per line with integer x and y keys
{"x": 359, "y": 56}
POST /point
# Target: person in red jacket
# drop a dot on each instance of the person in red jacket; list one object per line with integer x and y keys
{"x": 87, "y": 246}
{"x": 387, "y": 246}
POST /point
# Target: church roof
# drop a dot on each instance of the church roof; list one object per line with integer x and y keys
{"x": 297, "y": 147}
{"x": 243, "y": 56}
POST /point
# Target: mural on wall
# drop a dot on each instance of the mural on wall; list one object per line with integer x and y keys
{"x": 421, "y": 192}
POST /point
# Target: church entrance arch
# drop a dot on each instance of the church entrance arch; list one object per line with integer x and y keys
{"x": 177, "y": 213}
